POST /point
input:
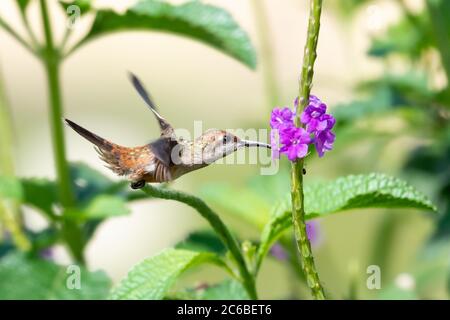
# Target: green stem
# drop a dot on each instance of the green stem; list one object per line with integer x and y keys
{"x": 218, "y": 226}
{"x": 298, "y": 211}
{"x": 16, "y": 36}
{"x": 9, "y": 210}
{"x": 52, "y": 67}
{"x": 62, "y": 46}
{"x": 8, "y": 214}
{"x": 35, "y": 43}
{"x": 6, "y": 144}
{"x": 266, "y": 53}
{"x": 71, "y": 232}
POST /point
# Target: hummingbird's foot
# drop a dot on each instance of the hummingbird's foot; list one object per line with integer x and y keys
{"x": 137, "y": 185}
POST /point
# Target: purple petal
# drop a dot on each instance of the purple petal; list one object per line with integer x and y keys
{"x": 322, "y": 125}
{"x": 313, "y": 232}
{"x": 312, "y": 125}
{"x": 302, "y": 150}
{"x": 274, "y": 137}
{"x": 305, "y": 117}
{"x": 324, "y": 142}
{"x": 278, "y": 252}
{"x": 292, "y": 153}
{"x": 281, "y": 117}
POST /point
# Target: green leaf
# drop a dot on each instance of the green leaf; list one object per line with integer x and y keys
{"x": 201, "y": 241}
{"x": 228, "y": 289}
{"x": 206, "y": 23}
{"x": 410, "y": 36}
{"x": 44, "y": 238}
{"x": 347, "y": 8}
{"x": 84, "y": 5}
{"x": 105, "y": 206}
{"x": 153, "y": 277}
{"x": 40, "y": 193}
{"x": 279, "y": 221}
{"x": 90, "y": 183}
{"x": 30, "y": 278}
{"x": 374, "y": 190}
{"x": 351, "y": 192}
{"x": 10, "y": 188}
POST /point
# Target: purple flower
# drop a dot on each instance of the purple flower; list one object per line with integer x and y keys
{"x": 46, "y": 253}
{"x": 319, "y": 123}
{"x": 313, "y": 112}
{"x": 278, "y": 252}
{"x": 281, "y": 118}
{"x": 324, "y": 142}
{"x": 313, "y": 232}
{"x": 295, "y": 142}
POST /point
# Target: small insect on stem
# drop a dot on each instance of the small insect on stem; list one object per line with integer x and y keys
{"x": 304, "y": 171}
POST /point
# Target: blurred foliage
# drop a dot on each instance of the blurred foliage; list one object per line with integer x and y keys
{"x": 152, "y": 278}
{"x": 346, "y": 8}
{"x": 204, "y": 240}
{"x": 411, "y": 36}
{"x": 423, "y": 106}
{"x": 46, "y": 280}
{"x": 226, "y": 290}
{"x": 206, "y": 23}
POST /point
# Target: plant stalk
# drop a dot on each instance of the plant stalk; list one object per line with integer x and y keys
{"x": 51, "y": 57}
{"x": 219, "y": 227}
{"x": 52, "y": 61}
{"x": 34, "y": 42}
{"x": 298, "y": 210}
{"x": 16, "y": 36}
{"x": 9, "y": 209}
{"x": 266, "y": 54}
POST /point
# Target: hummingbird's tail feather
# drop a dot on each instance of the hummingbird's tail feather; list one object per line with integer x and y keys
{"x": 101, "y": 143}
{"x": 121, "y": 160}
{"x": 106, "y": 150}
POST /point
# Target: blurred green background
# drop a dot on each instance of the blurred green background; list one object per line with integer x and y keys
{"x": 379, "y": 69}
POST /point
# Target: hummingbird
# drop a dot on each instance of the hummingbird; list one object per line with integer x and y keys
{"x": 169, "y": 156}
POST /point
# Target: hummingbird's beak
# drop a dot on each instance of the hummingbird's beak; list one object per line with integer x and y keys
{"x": 246, "y": 143}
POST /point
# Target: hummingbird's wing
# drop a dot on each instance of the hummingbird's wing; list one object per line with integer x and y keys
{"x": 166, "y": 128}
{"x": 162, "y": 149}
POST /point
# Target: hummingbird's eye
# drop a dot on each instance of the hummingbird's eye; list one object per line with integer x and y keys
{"x": 226, "y": 139}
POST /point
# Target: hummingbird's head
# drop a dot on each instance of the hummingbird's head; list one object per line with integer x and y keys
{"x": 217, "y": 144}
